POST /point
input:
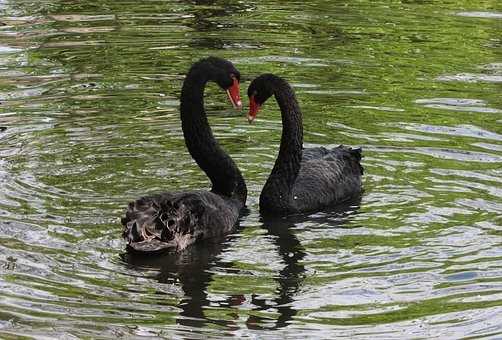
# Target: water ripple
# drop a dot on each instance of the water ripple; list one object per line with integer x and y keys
{"x": 89, "y": 120}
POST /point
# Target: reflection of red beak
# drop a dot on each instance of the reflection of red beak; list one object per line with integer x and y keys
{"x": 254, "y": 107}
{"x": 234, "y": 95}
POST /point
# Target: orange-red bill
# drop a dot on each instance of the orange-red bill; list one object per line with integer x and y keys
{"x": 234, "y": 94}
{"x": 254, "y": 107}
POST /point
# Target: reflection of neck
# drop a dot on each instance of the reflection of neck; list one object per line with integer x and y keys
{"x": 225, "y": 177}
{"x": 291, "y": 277}
{"x": 194, "y": 285}
{"x": 192, "y": 269}
{"x": 277, "y": 190}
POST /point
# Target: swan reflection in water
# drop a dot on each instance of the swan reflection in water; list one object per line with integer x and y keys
{"x": 193, "y": 270}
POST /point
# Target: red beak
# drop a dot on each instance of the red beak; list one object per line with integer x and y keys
{"x": 254, "y": 107}
{"x": 234, "y": 94}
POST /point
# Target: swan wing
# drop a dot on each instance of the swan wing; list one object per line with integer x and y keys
{"x": 173, "y": 221}
{"x": 327, "y": 177}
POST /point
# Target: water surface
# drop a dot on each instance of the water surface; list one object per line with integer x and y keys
{"x": 89, "y": 120}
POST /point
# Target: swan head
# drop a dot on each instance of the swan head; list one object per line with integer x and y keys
{"x": 224, "y": 73}
{"x": 259, "y": 91}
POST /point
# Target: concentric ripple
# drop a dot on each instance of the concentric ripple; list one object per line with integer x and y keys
{"x": 89, "y": 96}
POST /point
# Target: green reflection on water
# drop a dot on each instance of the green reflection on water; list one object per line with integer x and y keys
{"x": 89, "y": 96}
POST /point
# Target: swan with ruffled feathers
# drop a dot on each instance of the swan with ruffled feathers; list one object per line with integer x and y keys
{"x": 172, "y": 221}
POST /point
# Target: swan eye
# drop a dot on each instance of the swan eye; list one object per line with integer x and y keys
{"x": 233, "y": 76}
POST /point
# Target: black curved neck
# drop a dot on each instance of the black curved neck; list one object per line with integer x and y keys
{"x": 278, "y": 189}
{"x": 225, "y": 177}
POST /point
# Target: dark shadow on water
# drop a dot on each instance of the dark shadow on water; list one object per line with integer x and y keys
{"x": 207, "y": 16}
{"x": 192, "y": 270}
{"x": 290, "y": 278}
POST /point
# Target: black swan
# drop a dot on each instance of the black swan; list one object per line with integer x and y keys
{"x": 172, "y": 221}
{"x": 302, "y": 180}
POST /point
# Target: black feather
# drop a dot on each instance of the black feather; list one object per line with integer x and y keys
{"x": 173, "y": 221}
{"x": 303, "y": 180}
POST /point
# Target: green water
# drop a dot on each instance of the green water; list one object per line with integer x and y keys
{"x": 89, "y": 121}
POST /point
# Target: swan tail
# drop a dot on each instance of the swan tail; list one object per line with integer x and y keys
{"x": 351, "y": 157}
{"x": 357, "y": 154}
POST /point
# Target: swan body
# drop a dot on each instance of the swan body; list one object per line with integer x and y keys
{"x": 302, "y": 180}
{"x": 172, "y": 221}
